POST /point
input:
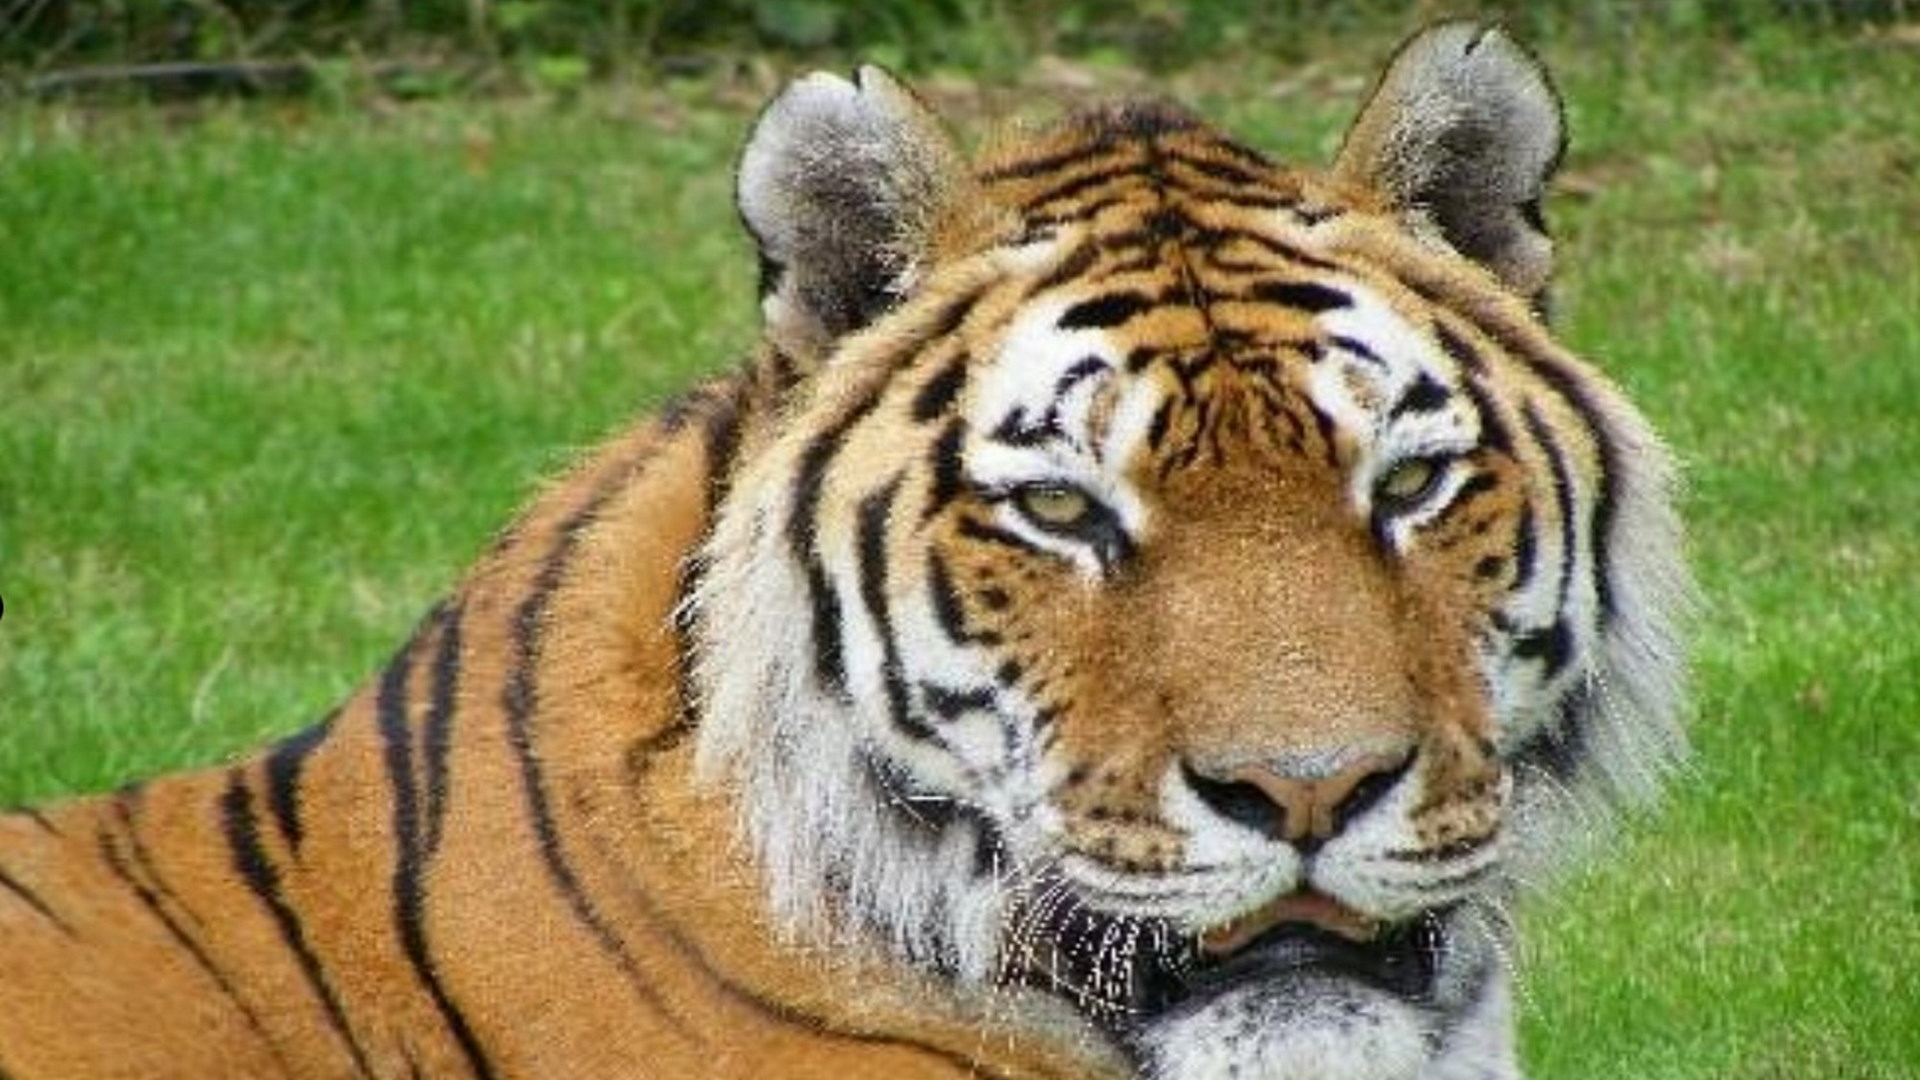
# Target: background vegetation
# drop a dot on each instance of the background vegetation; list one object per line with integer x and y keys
{"x": 272, "y": 371}
{"x": 431, "y": 46}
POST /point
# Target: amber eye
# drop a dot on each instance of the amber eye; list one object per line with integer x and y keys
{"x": 1408, "y": 482}
{"x": 1060, "y": 507}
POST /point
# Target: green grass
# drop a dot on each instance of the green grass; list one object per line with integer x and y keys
{"x": 269, "y": 377}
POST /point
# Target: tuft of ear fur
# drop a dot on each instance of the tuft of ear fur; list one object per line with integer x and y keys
{"x": 1462, "y": 135}
{"x": 843, "y": 185}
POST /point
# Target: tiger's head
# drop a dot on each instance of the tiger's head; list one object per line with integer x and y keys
{"x": 1195, "y": 589}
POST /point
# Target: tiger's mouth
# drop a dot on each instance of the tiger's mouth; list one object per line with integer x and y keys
{"x": 1309, "y": 932}
{"x": 1306, "y": 907}
{"x": 1300, "y": 936}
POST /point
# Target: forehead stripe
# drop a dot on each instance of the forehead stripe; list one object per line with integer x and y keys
{"x": 1241, "y": 179}
{"x": 1302, "y": 295}
{"x": 1102, "y": 312}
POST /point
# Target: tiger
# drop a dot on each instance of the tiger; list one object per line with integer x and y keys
{"x": 1140, "y": 612}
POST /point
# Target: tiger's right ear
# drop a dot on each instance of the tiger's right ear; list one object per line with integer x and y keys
{"x": 842, "y": 184}
{"x": 1462, "y": 135}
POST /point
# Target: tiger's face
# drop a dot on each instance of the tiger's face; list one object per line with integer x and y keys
{"x": 1192, "y": 586}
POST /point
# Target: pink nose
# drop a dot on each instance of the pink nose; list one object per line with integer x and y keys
{"x": 1304, "y": 811}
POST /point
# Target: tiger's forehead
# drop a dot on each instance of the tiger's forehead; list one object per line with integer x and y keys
{"x": 1161, "y": 224}
{"x": 1175, "y": 289}
{"x": 1139, "y": 170}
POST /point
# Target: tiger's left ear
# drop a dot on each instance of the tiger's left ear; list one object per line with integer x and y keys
{"x": 843, "y": 184}
{"x": 1462, "y": 135}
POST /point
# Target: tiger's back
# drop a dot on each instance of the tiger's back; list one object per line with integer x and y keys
{"x": 1139, "y": 614}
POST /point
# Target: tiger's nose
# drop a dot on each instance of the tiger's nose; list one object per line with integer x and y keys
{"x": 1305, "y": 811}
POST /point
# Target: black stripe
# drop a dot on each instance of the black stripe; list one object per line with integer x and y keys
{"x": 390, "y": 713}
{"x": 944, "y": 461}
{"x": 994, "y": 534}
{"x": 1525, "y": 548}
{"x": 1138, "y": 248}
{"x": 939, "y": 392}
{"x": 1014, "y": 430}
{"x": 1605, "y": 497}
{"x": 829, "y": 659}
{"x": 1247, "y": 155}
{"x": 1077, "y": 186}
{"x": 1234, "y": 175}
{"x": 1358, "y": 348}
{"x": 950, "y": 317}
{"x": 1471, "y": 488}
{"x": 1493, "y": 429}
{"x": 829, "y": 632}
{"x": 1040, "y": 166}
{"x": 874, "y": 512}
{"x": 1070, "y": 268}
{"x": 947, "y": 608}
{"x": 1110, "y": 309}
{"x": 1323, "y": 423}
{"x": 411, "y": 846}
{"x": 1457, "y": 347}
{"x": 1552, "y": 646}
{"x": 1559, "y": 747}
{"x": 284, "y": 764}
{"x": 950, "y": 703}
{"x": 1305, "y": 296}
{"x": 1216, "y": 238}
{"x": 1259, "y": 200}
{"x": 720, "y": 443}
{"x": 32, "y": 899}
{"x": 722, "y": 447}
{"x": 242, "y": 827}
{"x": 1157, "y": 429}
{"x": 1078, "y": 372}
{"x": 1425, "y": 395}
{"x": 436, "y": 732}
{"x": 150, "y": 897}
{"x": 1564, "y": 492}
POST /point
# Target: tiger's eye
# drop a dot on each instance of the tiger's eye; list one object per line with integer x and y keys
{"x": 1057, "y": 506}
{"x": 1409, "y": 480}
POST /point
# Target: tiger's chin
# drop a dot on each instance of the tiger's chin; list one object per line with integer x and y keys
{"x": 1274, "y": 1020}
{"x": 1303, "y": 989}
